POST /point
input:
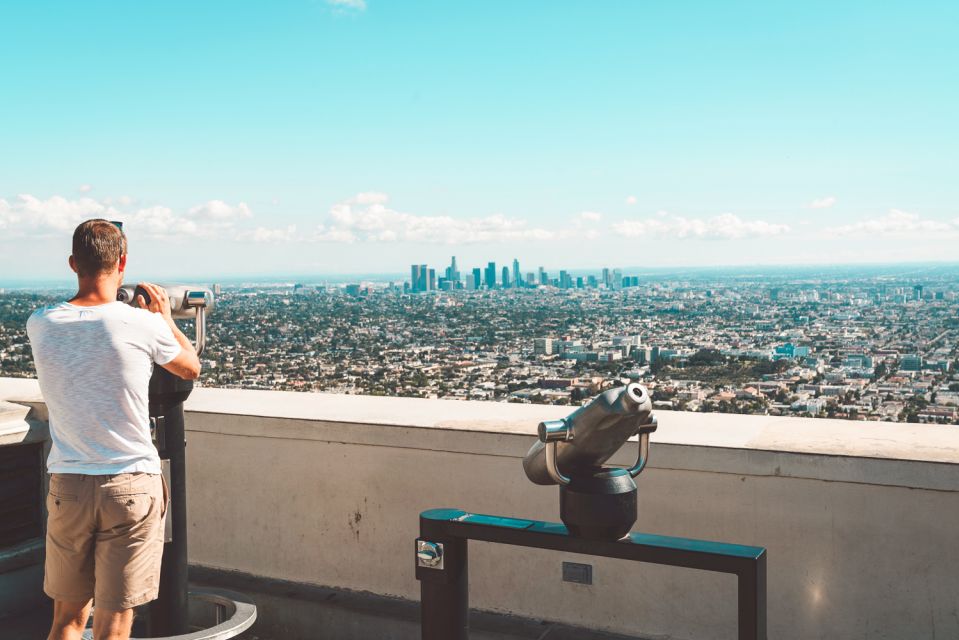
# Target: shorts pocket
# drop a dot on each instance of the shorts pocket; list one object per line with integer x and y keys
{"x": 123, "y": 511}
{"x": 62, "y": 490}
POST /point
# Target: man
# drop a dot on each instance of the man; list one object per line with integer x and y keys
{"x": 107, "y": 500}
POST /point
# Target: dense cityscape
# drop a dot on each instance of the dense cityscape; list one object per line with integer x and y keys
{"x": 856, "y": 343}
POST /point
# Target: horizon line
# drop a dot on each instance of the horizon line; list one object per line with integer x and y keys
{"x": 279, "y": 277}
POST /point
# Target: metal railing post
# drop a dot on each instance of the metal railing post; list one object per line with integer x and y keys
{"x": 442, "y": 567}
{"x": 752, "y": 600}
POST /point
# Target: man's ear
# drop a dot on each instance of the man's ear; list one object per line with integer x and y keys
{"x": 122, "y": 264}
{"x": 73, "y": 265}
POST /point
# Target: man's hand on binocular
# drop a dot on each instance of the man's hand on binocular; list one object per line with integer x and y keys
{"x": 159, "y": 301}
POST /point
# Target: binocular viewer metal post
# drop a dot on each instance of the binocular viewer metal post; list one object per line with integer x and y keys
{"x": 168, "y": 615}
{"x": 596, "y": 500}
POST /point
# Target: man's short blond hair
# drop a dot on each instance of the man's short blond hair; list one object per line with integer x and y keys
{"x": 97, "y": 247}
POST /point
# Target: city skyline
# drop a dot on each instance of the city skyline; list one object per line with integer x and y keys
{"x": 424, "y": 278}
{"x": 330, "y": 137}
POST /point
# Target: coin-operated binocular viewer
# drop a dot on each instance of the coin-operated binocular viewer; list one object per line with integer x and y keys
{"x": 598, "y": 510}
{"x": 168, "y": 614}
{"x": 595, "y": 500}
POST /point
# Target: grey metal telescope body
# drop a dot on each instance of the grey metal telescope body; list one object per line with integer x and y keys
{"x": 187, "y": 302}
{"x": 588, "y": 437}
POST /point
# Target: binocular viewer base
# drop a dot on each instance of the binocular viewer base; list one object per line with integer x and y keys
{"x": 599, "y": 505}
{"x": 215, "y": 614}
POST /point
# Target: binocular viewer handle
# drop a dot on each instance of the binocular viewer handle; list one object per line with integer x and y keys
{"x": 552, "y": 432}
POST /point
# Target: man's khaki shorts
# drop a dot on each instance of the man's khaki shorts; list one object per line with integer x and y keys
{"x": 105, "y": 538}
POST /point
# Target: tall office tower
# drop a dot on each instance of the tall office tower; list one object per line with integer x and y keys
{"x": 592, "y": 282}
{"x": 477, "y": 278}
{"x": 470, "y": 282}
{"x": 452, "y": 272}
{"x": 505, "y": 279}
{"x": 917, "y": 292}
{"x": 431, "y": 285}
{"x": 530, "y": 279}
{"x": 424, "y": 274}
{"x": 491, "y": 275}
{"x": 414, "y": 278}
{"x": 606, "y": 277}
{"x": 616, "y": 280}
{"x": 517, "y": 275}
{"x": 565, "y": 282}
{"x": 579, "y": 282}
{"x": 543, "y": 277}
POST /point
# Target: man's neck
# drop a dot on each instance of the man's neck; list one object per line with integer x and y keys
{"x": 96, "y": 291}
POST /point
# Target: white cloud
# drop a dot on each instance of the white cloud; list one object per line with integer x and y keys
{"x": 214, "y": 218}
{"x": 162, "y": 222}
{"x": 359, "y": 5}
{"x": 28, "y": 215}
{"x": 894, "y": 223}
{"x": 631, "y": 200}
{"x": 367, "y": 218}
{"x": 265, "y": 235}
{"x": 591, "y": 216}
{"x": 725, "y": 226}
{"x": 823, "y": 203}
{"x": 85, "y": 188}
{"x": 217, "y": 210}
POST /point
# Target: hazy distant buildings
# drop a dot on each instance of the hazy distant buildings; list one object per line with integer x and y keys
{"x": 911, "y": 362}
{"x": 546, "y": 346}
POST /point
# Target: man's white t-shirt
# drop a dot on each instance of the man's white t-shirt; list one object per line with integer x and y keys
{"x": 94, "y": 365}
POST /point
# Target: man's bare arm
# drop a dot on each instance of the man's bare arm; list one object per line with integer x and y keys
{"x": 187, "y": 364}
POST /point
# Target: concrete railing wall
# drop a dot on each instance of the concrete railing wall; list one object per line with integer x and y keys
{"x": 859, "y": 519}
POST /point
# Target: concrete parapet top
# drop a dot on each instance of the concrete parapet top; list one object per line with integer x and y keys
{"x": 725, "y": 443}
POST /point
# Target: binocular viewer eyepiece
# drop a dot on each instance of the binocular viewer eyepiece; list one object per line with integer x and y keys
{"x": 596, "y": 501}
{"x": 187, "y": 302}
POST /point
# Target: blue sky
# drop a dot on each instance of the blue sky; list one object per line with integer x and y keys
{"x": 312, "y": 137}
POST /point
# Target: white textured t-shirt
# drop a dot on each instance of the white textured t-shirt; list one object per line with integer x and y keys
{"x": 94, "y": 365}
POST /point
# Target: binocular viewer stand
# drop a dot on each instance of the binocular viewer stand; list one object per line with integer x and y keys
{"x": 168, "y": 616}
{"x": 442, "y": 564}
